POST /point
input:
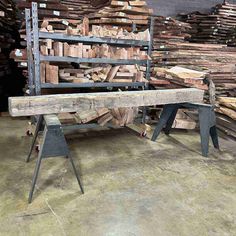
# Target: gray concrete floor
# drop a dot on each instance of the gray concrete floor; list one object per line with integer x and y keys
{"x": 133, "y": 186}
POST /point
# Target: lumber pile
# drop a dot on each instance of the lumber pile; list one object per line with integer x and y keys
{"x": 226, "y": 117}
{"x": 92, "y": 51}
{"x": 183, "y": 77}
{"x": 80, "y": 8}
{"x": 218, "y": 61}
{"x": 55, "y": 73}
{"x": 113, "y": 74}
{"x": 119, "y": 117}
{"x": 7, "y": 27}
{"x": 107, "y": 73}
{"x": 166, "y": 30}
{"x": 214, "y": 27}
{"x": 123, "y": 13}
{"x": 49, "y": 9}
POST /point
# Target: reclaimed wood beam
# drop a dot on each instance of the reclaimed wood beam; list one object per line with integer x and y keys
{"x": 54, "y": 104}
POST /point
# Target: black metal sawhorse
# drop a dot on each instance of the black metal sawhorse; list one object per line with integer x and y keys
{"x": 207, "y": 121}
{"x": 53, "y": 145}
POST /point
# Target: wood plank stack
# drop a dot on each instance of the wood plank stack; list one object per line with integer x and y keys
{"x": 49, "y": 9}
{"x": 166, "y": 30}
{"x": 118, "y": 116}
{"x": 226, "y": 117}
{"x": 123, "y": 13}
{"x": 81, "y": 8}
{"x": 7, "y": 27}
{"x": 8, "y": 81}
{"x": 214, "y": 27}
{"x": 108, "y": 73}
{"x": 183, "y": 77}
{"x": 217, "y": 60}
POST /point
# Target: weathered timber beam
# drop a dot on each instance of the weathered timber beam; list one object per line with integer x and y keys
{"x": 54, "y": 104}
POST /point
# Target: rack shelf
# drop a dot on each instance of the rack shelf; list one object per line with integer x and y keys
{"x": 34, "y": 58}
{"x": 93, "y": 40}
{"x": 92, "y": 85}
{"x": 92, "y": 60}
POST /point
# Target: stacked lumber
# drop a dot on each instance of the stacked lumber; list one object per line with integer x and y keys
{"x": 168, "y": 29}
{"x": 81, "y": 28}
{"x": 80, "y": 8}
{"x": 46, "y": 9}
{"x": 123, "y": 13}
{"x": 92, "y": 51}
{"x": 214, "y": 27}
{"x": 112, "y": 74}
{"x": 54, "y": 73}
{"x": 226, "y": 116}
{"x": 118, "y": 116}
{"x": 107, "y": 73}
{"x": 183, "y": 77}
{"x": 7, "y": 27}
{"x": 218, "y": 61}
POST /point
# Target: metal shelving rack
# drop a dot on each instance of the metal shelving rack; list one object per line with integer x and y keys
{"x": 33, "y": 36}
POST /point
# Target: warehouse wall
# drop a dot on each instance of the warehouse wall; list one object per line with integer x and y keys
{"x": 173, "y": 7}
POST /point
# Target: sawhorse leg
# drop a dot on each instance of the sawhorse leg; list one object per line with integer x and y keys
{"x": 207, "y": 123}
{"x": 167, "y": 118}
{"x": 38, "y": 128}
{"x": 53, "y": 145}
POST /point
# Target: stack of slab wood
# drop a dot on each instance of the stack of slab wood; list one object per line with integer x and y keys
{"x": 80, "y": 8}
{"x": 218, "y": 61}
{"x": 167, "y": 29}
{"x": 7, "y": 37}
{"x": 226, "y": 117}
{"x": 214, "y": 27}
{"x": 182, "y": 77}
{"x": 123, "y": 13}
{"x": 49, "y": 9}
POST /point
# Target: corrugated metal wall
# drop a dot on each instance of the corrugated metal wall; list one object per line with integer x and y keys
{"x": 173, "y": 7}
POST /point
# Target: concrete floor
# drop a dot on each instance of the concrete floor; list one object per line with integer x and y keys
{"x": 133, "y": 187}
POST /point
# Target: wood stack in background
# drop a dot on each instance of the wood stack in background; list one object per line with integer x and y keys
{"x": 123, "y": 13}
{"x": 173, "y": 55}
{"x": 217, "y": 60}
{"x": 80, "y": 8}
{"x": 7, "y": 38}
{"x": 166, "y": 30}
{"x": 226, "y": 118}
{"x": 8, "y": 81}
{"x": 214, "y": 27}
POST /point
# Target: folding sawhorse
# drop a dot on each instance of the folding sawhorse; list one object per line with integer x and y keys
{"x": 207, "y": 121}
{"x": 53, "y": 145}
